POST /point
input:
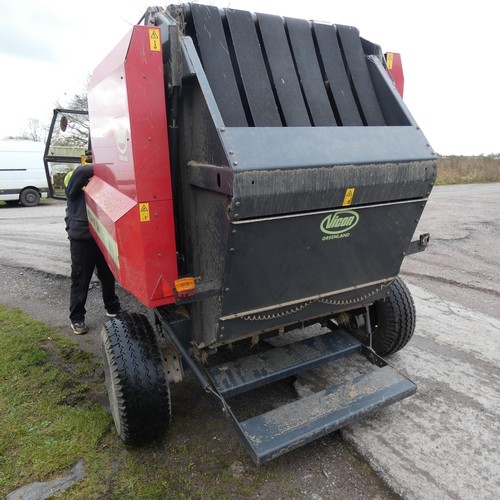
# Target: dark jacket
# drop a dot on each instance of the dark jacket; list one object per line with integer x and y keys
{"x": 77, "y": 224}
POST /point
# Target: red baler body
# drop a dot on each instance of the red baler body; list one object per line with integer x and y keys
{"x": 129, "y": 199}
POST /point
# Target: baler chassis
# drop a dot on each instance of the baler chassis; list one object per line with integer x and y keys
{"x": 290, "y": 426}
{"x": 141, "y": 405}
{"x": 255, "y": 175}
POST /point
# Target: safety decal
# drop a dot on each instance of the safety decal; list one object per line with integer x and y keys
{"x": 144, "y": 212}
{"x": 389, "y": 60}
{"x": 349, "y": 194}
{"x": 154, "y": 39}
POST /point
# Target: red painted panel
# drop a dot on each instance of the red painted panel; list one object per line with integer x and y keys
{"x": 130, "y": 196}
{"x": 395, "y": 67}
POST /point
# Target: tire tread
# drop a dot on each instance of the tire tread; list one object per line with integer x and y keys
{"x": 397, "y": 319}
{"x": 136, "y": 372}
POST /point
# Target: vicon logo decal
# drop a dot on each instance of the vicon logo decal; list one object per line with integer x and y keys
{"x": 338, "y": 224}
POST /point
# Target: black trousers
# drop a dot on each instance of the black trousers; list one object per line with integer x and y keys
{"x": 86, "y": 257}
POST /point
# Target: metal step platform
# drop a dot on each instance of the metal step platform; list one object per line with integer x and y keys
{"x": 295, "y": 424}
{"x": 283, "y": 429}
{"x": 278, "y": 363}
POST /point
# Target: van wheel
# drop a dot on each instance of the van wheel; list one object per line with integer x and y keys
{"x": 30, "y": 197}
{"x": 139, "y": 394}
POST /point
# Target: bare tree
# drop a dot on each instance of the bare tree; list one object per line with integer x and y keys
{"x": 78, "y": 128}
{"x": 34, "y": 131}
{"x": 79, "y": 101}
{"x": 76, "y": 134}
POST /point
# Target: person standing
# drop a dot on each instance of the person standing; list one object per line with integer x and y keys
{"x": 86, "y": 256}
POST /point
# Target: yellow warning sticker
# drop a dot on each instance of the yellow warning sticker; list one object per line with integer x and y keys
{"x": 144, "y": 212}
{"x": 154, "y": 39}
{"x": 349, "y": 194}
{"x": 390, "y": 60}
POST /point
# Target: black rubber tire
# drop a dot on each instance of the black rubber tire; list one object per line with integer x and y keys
{"x": 139, "y": 394}
{"x": 393, "y": 320}
{"x": 30, "y": 197}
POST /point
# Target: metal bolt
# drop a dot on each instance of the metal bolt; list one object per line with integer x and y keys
{"x": 222, "y": 129}
{"x": 234, "y": 231}
{"x": 235, "y": 163}
{"x": 231, "y": 249}
{"x": 226, "y": 290}
{"x": 237, "y": 204}
{"x": 231, "y": 152}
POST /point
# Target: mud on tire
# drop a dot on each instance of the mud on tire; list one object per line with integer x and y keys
{"x": 138, "y": 393}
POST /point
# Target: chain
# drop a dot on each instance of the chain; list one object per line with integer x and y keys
{"x": 330, "y": 302}
{"x": 282, "y": 314}
{"x": 350, "y": 301}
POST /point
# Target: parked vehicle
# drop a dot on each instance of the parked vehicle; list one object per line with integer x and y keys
{"x": 22, "y": 173}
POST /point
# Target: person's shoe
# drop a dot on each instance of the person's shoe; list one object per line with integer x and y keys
{"x": 113, "y": 314}
{"x": 79, "y": 327}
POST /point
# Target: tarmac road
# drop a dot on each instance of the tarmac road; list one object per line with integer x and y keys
{"x": 442, "y": 442}
{"x": 34, "y": 237}
{"x": 462, "y": 262}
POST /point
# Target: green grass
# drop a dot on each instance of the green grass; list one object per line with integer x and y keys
{"x": 44, "y": 427}
{"x": 49, "y": 421}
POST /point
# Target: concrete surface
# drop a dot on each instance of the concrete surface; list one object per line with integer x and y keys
{"x": 444, "y": 441}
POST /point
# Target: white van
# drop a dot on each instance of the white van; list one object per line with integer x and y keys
{"x": 22, "y": 173}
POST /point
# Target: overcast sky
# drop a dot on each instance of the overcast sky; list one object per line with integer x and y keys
{"x": 449, "y": 50}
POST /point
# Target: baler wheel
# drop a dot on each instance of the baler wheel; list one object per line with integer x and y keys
{"x": 139, "y": 394}
{"x": 392, "y": 319}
